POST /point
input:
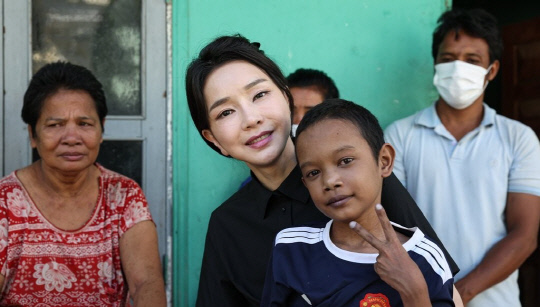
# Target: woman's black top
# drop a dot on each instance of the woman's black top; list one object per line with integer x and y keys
{"x": 242, "y": 230}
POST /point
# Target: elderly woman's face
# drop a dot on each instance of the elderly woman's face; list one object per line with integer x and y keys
{"x": 68, "y": 131}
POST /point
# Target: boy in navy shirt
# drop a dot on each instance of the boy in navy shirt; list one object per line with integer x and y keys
{"x": 358, "y": 258}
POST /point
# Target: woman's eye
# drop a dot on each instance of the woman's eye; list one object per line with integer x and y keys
{"x": 260, "y": 95}
{"x": 225, "y": 113}
{"x": 345, "y": 161}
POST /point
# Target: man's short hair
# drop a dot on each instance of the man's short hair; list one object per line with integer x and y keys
{"x": 476, "y": 23}
{"x": 303, "y": 77}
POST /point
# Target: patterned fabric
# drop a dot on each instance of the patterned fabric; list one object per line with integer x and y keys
{"x": 47, "y": 266}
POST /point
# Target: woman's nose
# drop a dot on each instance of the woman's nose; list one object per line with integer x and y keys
{"x": 71, "y": 135}
{"x": 252, "y": 116}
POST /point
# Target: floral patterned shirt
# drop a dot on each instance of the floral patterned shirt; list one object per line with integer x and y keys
{"x": 46, "y": 266}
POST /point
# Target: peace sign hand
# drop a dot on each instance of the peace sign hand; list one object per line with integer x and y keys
{"x": 394, "y": 265}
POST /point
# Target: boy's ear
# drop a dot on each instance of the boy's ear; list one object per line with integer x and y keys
{"x": 386, "y": 159}
{"x": 209, "y": 136}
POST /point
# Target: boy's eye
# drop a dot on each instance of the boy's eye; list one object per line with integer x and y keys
{"x": 312, "y": 173}
{"x": 345, "y": 161}
{"x": 260, "y": 95}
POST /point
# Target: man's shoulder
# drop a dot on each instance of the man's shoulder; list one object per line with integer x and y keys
{"x": 409, "y": 121}
{"x": 503, "y": 122}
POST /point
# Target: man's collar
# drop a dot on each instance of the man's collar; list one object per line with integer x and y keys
{"x": 430, "y": 119}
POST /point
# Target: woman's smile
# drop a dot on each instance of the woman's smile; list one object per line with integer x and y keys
{"x": 260, "y": 140}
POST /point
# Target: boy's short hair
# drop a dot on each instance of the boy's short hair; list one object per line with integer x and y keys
{"x": 304, "y": 77}
{"x": 365, "y": 121}
{"x": 476, "y": 23}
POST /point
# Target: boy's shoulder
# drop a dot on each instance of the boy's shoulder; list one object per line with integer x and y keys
{"x": 310, "y": 234}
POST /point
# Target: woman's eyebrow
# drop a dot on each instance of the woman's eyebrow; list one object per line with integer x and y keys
{"x": 253, "y": 83}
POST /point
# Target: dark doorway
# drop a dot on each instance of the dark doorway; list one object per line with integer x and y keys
{"x": 515, "y": 93}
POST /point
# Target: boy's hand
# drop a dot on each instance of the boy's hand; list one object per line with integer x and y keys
{"x": 394, "y": 265}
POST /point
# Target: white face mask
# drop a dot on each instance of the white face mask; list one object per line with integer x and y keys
{"x": 460, "y": 83}
{"x": 293, "y": 129}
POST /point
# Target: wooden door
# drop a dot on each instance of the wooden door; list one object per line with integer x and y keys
{"x": 521, "y": 101}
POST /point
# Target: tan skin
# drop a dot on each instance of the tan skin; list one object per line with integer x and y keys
{"x": 522, "y": 210}
{"x": 336, "y": 162}
{"x": 64, "y": 185}
{"x": 305, "y": 98}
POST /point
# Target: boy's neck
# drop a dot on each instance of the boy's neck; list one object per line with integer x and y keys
{"x": 347, "y": 239}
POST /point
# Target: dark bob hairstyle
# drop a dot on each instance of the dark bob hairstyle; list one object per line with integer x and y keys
{"x": 221, "y": 51}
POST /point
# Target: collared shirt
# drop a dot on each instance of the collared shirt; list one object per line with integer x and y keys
{"x": 241, "y": 233}
{"x": 461, "y": 186}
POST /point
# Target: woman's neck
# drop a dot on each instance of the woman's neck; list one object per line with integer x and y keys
{"x": 272, "y": 175}
{"x": 64, "y": 184}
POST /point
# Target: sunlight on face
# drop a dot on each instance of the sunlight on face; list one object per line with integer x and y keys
{"x": 249, "y": 115}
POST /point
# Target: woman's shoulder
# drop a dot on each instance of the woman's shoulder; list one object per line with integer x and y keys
{"x": 110, "y": 177}
{"x": 10, "y": 181}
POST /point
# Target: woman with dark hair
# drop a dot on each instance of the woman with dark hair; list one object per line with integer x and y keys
{"x": 241, "y": 105}
{"x": 71, "y": 230}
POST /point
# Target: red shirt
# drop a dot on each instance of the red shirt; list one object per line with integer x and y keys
{"x": 46, "y": 266}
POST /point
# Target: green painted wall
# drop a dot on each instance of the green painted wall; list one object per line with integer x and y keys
{"x": 377, "y": 51}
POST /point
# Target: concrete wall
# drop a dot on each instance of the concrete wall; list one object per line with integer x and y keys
{"x": 377, "y": 52}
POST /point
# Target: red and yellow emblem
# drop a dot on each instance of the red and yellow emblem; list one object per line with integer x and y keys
{"x": 375, "y": 300}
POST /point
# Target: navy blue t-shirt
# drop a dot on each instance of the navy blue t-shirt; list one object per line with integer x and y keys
{"x": 307, "y": 269}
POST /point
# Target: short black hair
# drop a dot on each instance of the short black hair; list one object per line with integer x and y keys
{"x": 53, "y": 77}
{"x": 217, "y": 53}
{"x": 305, "y": 77}
{"x": 341, "y": 109}
{"x": 476, "y": 23}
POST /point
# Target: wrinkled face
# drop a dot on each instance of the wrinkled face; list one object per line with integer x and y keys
{"x": 339, "y": 170}
{"x": 249, "y": 115}
{"x": 466, "y": 48}
{"x": 68, "y": 131}
{"x": 305, "y": 98}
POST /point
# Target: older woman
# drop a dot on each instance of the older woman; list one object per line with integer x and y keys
{"x": 71, "y": 231}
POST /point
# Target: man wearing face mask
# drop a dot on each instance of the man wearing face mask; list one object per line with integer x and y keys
{"x": 474, "y": 174}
